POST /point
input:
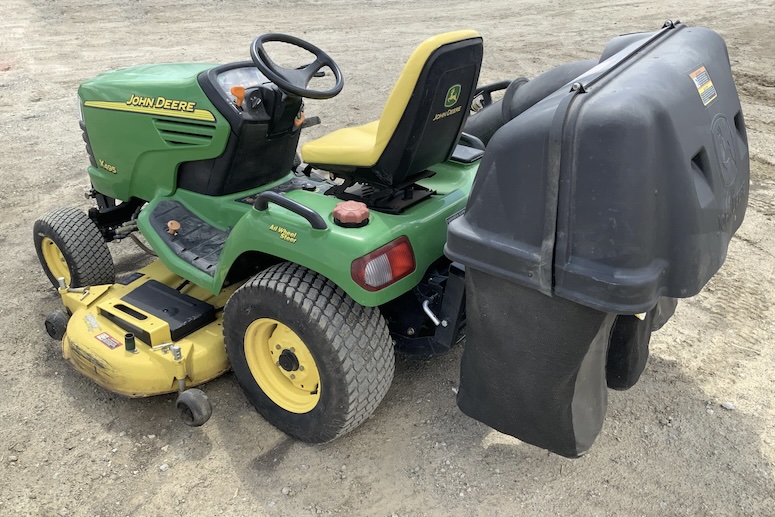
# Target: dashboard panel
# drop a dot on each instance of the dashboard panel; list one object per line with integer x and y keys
{"x": 247, "y": 76}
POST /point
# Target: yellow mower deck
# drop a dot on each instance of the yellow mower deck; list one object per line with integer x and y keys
{"x": 94, "y": 344}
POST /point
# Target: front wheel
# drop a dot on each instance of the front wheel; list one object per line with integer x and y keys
{"x": 70, "y": 246}
{"x": 312, "y": 361}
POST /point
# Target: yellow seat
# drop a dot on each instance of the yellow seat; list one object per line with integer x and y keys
{"x": 363, "y": 146}
{"x": 354, "y": 146}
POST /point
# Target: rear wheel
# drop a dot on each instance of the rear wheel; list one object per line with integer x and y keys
{"x": 312, "y": 361}
{"x": 70, "y": 246}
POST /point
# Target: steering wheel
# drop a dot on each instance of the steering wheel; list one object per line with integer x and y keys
{"x": 291, "y": 80}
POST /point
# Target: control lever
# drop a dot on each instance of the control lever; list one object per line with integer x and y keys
{"x": 310, "y": 121}
{"x": 239, "y": 94}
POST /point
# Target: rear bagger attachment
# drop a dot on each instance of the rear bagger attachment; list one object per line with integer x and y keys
{"x": 609, "y": 198}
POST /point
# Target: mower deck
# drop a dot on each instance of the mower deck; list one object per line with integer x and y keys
{"x": 191, "y": 316}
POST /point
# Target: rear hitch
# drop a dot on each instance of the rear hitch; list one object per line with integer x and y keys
{"x": 426, "y": 307}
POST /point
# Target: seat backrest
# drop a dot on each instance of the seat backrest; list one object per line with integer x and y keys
{"x": 425, "y": 112}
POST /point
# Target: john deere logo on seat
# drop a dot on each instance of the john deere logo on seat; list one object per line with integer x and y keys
{"x": 453, "y": 95}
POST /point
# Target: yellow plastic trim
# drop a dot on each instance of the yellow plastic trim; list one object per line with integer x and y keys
{"x": 55, "y": 260}
{"x": 362, "y": 146}
{"x": 296, "y": 391}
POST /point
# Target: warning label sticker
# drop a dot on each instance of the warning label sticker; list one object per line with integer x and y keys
{"x": 108, "y": 340}
{"x": 704, "y": 85}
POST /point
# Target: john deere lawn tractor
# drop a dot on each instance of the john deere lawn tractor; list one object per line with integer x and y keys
{"x": 555, "y": 226}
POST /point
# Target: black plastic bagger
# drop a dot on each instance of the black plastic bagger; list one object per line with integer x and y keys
{"x": 609, "y": 198}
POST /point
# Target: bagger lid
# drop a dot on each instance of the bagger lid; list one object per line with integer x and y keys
{"x": 623, "y": 186}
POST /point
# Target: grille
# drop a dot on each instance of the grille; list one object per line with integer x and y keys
{"x": 89, "y": 150}
{"x": 184, "y": 134}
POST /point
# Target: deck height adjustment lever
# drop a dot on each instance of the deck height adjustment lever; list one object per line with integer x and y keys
{"x": 81, "y": 290}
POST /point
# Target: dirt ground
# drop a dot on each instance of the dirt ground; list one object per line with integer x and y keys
{"x": 68, "y": 447}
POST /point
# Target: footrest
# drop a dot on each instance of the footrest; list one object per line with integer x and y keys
{"x": 196, "y": 242}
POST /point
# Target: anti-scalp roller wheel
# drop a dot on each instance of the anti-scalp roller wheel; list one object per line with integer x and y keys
{"x": 194, "y": 407}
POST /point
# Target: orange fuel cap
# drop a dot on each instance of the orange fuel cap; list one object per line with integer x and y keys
{"x": 173, "y": 227}
{"x": 239, "y": 94}
{"x": 351, "y": 214}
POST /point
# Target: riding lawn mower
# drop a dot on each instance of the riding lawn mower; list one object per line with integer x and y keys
{"x": 553, "y": 227}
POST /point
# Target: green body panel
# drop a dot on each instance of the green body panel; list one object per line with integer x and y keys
{"x": 138, "y": 148}
{"x": 138, "y": 153}
{"x": 330, "y": 252}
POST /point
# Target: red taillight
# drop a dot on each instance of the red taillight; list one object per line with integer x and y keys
{"x": 384, "y": 266}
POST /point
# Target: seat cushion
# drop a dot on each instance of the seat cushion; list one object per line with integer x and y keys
{"x": 351, "y": 146}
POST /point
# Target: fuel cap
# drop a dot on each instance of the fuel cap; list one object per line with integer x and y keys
{"x": 351, "y": 214}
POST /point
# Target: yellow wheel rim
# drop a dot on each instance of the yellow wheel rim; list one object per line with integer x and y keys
{"x": 282, "y": 365}
{"x": 55, "y": 260}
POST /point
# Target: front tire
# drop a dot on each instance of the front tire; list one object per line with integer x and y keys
{"x": 312, "y": 361}
{"x": 70, "y": 246}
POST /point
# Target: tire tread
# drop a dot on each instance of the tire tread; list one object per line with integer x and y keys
{"x": 358, "y": 335}
{"x": 82, "y": 244}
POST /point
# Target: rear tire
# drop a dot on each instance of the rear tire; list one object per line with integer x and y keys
{"x": 312, "y": 361}
{"x": 70, "y": 245}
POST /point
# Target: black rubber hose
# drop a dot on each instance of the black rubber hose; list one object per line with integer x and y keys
{"x": 621, "y": 42}
{"x": 508, "y": 96}
{"x": 521, "y": 95}
{"x": 485, "y": 122}
{"x": 545, "y": 84}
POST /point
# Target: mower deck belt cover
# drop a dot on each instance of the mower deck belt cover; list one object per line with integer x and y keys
{"x": 599, "y": 200}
